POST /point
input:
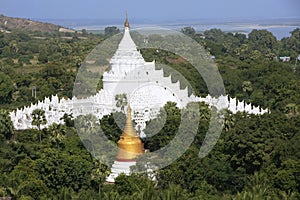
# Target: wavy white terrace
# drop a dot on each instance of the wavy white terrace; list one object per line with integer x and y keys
{"x": 145, "y": 88}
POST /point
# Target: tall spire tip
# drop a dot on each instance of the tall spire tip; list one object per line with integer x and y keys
{"x": 126, "y": 24}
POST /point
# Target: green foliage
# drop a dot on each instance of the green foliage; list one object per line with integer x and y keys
{"x": 262, "y": 40}
{"x": 111, "y": 30}
{"x": 127, "y": 185}
{"x": 291, "y": 45}
{"x": 287, "y": 178}
{"x": 6, "y": 88}
{"x": 157, "y": 139}
{"x": 257, "y": 157}
{"x": 64, "y": 170}
{"x": 190, "y": 31}
{"x": 38, "y": 119}
{"x": 121, "y": 101}
{"x": 57, "y": 133}
{"x": 112, "y": 125}
{"x": 6, "y": 125}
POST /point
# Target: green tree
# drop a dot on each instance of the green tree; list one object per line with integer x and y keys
{"x": 247, "y": 87}
{"x": 68, "y": 120}
{"x": 257, "y": 189}
{"x": 121, "y": 101}
{"x": 57, "y": 133}
{"x": 249, "y": 143}
{"x": 290, "y": 46}
{"x": 88, "y": 125}
{"x": 127, "y": 185}
{"x": 287, "y": 178}
{"x": 6, "y": 125}
{"x": 111, "y": 30}
{"x": 84, "y": 32}
{"x": 215, "y": 35}
{"x": 24, "y": 180}
{"x": 229, "y": 122}
{"x": 112, "y": 125}
{"x": 171, "y": 115}
{"x": 190, "y": 31}
{"x": 77, "y": 61}
{"x": 99, "y": 174}
{"x": 6, "y": 88}
{"x": 38, "y": 119}
{"x": 65, "y": 49}
{"x": 66, "y": 169}
{"x": 262, "y": 39}
{"x": 65, "y": 194}
{"x": 112, "y": 195}
{"x": 173, "y": 192}
{"x": 43, "y": 57}
{"x": 147, "y": 193}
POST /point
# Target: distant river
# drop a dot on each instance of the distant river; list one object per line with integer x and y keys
{"x": 279, "y": 31}
{"x": 279, "y": 27}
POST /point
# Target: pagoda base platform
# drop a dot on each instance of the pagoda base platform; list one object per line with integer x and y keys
{"x": 119, "y": 167}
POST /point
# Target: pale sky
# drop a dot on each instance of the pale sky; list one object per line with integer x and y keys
{"x": 158, "y": 10}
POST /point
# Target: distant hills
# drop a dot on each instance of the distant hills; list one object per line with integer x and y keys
{"x": 11, "y": 23}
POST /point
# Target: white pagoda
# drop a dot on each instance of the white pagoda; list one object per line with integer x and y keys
{"x": 146, "y": 89}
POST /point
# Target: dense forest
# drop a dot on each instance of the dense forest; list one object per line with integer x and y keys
{"x": 257, "y": 156}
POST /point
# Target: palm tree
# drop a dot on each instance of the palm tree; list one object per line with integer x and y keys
{"x": 65, "y": 194}
{"x": 289, "y": 195}
{"x": 148, "y": 193}
{"x": 229, "y": 121}
{"x": 88, "y": 126}
{"x": 256, "y": 190}
{"x": 68, "y": 119}
{"x": 38, "y": 119}
{"x": 14, "y": 185}
{"x": 205, "y": 112}
{"x": 121, "y": 101}
{"x": 173, "y": 192}
{"x": 112, "y": 195}
{"x": 57, "y": 133}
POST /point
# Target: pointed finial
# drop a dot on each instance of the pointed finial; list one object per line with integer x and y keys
{"x": 129, "y": 129}
{"x": 126, "y": 24}
{"x": 128, "y": 111}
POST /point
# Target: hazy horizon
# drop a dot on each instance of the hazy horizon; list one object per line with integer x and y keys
{"x": 231, "y": 15}
{"x": 279, "y": 27}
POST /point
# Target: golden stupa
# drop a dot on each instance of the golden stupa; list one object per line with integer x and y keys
{"x": 126, "y": 24}
{"x": 130, "y": 144}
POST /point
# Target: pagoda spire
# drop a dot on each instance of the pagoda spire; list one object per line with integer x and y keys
{"x": 126, "y": 24}
{"x": 130, "y": 144}
{"x": 129, "y": 129}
